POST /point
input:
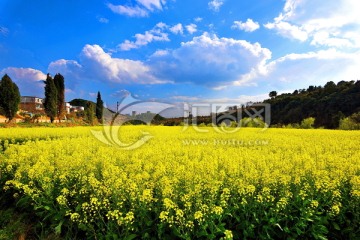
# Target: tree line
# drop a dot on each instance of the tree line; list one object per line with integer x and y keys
{"x": 328, "y": 105}
{"x": 54, "y": 101}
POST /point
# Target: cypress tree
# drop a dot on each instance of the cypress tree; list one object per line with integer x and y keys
{"x": 60, "y": 87}
{"x": 99, "y": 108}
{"x": 9, "y": 97}
{"x": 50, "y": 102}
{"x": 89, "y": 113}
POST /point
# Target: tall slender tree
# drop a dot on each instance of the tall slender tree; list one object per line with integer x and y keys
{"x": 89, "y": 113}
{"x": 9, "y": 97}
{"x": 50, "y": 102}
{"x": 60, "y": 87}
{"x": 99, "y": 107}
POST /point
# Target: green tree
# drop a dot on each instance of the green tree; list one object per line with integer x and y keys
{"x": 307, "y": 123}
{"x": 99, "y": 107}
{"x": 350, "y": 123}
{"x": 50, "y": 102}
{"x": 9, "y": 97}
{"x": 89, "y": 113}
{"x": 60, "y": 88}
{"x": 273, "y": 94}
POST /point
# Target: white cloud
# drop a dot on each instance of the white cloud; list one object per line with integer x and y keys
{"x": 312, "y": 68}
{"x": 288, "y": 30}
{"x": 210, "y": 61}
{"x": 177, "y": 29}
{"x": 123, "y": 93}
{"x": 141, "y": 8}
{"x": 129, "y": 11}
{"x": 128, "y": 45}
{"x": 215, "y": 5}
{"x": 30, "y": 74}
{"x": 155, "y": 34}
{"x": 159, "y": 53}
{"x": 248, "y": 26}
{"x": 103, "y": 20}
{"x": 334, "y": 24}
{"x": 324, "y": 38}
{"x": 99, "y": 64}
{"x": 198, "y": 19}
{"x": 29, "y": 80}
{"x": 152, "y": 4}
{"x": 70, "y": 69}
{"x": 191, "y": 28}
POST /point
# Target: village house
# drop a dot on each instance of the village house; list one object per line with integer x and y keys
{"x": 32, "y": 104}
{"x": 35, "y": 105}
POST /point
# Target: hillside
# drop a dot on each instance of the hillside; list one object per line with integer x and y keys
{"x": 81, "y": 102}
{"x": 326, "y": 104}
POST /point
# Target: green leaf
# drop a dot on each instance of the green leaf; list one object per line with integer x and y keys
{"x": 130, "y": 237}
{"x": 336, "y": 226}
{"x": 58, "y": 228}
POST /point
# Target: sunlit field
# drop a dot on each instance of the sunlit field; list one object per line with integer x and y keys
{"x": 184, "y": 184}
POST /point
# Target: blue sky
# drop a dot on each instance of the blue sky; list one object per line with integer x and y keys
{"x": 179, "y": 51}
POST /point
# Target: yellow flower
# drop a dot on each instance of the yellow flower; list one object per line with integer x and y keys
{"x": 74, "y": 217}
{"x": 228, "y": 234}
{"x": 198, "y": 216}
{"x": 314, "y": 204}
{"x": 335, "y": 209}
{"x": 218, "y": 210}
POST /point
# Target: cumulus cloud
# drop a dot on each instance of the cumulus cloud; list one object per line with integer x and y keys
{"x": 210, "y": 61}
{"x": 311, "y": 68}
{"x": 29, "y": 80}
{"x": 155, "y": 34}
{"x": 191, "y": 28}
{"x": 177, "y": 29}
{"x": 215, "y": 5}
{"x": 141, "y": 8}
{"x": 70, "y": 69}
{"x": 248, "y": 26}
{"x": 334, "y": 24}
{"x": 99, "y": 64}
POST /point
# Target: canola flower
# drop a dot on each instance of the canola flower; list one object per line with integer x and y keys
{"x": 179, "y": 185}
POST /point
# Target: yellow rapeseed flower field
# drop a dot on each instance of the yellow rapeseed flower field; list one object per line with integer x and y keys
{"x": 185, "y": 184}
